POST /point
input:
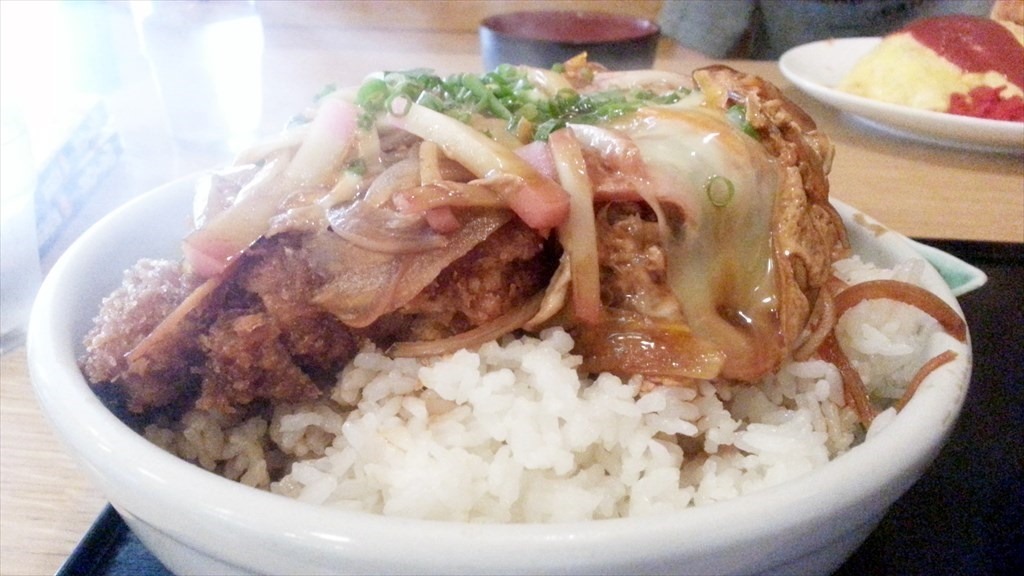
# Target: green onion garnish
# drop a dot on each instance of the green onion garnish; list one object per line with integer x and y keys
{"x": 719, "y": 190}
{"x": 737, "y": 114}
{"x": 503, "y": 93}
{"x": 357, "y": 167}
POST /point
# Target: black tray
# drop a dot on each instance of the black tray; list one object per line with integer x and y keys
{"x": 964, "y": 516}
{"x": 109, "y": 548}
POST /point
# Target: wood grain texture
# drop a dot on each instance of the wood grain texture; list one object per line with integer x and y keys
{"x": 46, "y": 500}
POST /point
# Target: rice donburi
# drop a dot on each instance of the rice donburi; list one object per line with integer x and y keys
{"x": 526, "y": 295}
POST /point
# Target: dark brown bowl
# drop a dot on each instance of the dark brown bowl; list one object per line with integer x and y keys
{"x": 546, "y": 37}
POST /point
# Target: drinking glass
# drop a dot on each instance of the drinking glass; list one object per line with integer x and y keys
{"x": 20, "y": 272}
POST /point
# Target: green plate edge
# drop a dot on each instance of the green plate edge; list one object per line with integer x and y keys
{"x": 959, "y": 275}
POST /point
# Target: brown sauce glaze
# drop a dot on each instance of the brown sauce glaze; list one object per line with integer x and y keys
{"x": 975, "y": 44}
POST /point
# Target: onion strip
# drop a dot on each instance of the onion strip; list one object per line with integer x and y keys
{"x": 446, "y": 194}
{"x": 823, "y": 317}
{"x": 327, "y": 142}
{"x": 288, "y": 140}
{"x": 538, "y": 201}
{"x": 168, "y": 327}
{"x": 554, "y": 296}
{"x": 383, "y": 230}
{"x": 622, "y": 154}
{"x": 578, "y": 234}
{"x": 929, "y": 367}
{"x": 343, "y": 191}
{"x": 853, "y": 386}
{"x": 906, "y": 293}
{"x": 430, "y": 164}
{"x": 224, "y": 237}
{"x": 471, "y": 338}
{"x": 399, "y": 176}
{"x": 442, "y": 220}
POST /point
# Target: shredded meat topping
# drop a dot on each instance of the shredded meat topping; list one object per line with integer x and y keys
{"x": 807, "y": 232}
{"x": 498, "y": 275}
{"x": 633, "y": 262}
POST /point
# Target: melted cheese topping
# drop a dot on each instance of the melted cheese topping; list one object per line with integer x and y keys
{"x": 720, "y": 264}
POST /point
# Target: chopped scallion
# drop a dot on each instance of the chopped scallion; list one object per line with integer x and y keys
{"x": 719, "y": 190}
{"x": 505, "y": 93}
{"x": 737, "y": 114}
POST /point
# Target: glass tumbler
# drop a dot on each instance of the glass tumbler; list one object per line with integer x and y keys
{"x": 20, "y": 272}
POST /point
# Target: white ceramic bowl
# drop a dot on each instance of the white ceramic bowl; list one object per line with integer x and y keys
{"x": 197, "y": 522}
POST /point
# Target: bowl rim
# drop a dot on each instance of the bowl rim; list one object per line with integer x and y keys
{"x": 550, "y": 26}
{"x": 142, "y": 480}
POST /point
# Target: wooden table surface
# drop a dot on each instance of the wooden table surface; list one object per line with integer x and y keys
{"x": 47, "y": 502}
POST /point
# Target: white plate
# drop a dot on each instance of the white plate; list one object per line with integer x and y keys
{"x": 818, "y": 67}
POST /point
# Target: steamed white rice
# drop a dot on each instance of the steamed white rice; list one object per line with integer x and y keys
{"x": 510, "y": 433}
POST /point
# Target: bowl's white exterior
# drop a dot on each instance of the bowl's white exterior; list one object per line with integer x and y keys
{"x": 196, "y": 522}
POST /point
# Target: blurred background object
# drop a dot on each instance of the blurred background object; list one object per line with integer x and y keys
{"x": 122, "y": 97}
{"x": 55, "y": 67}
{"x": 542, "y": 38}
{"x": 764, "y": 29}
{"x": 19, "y": 252}
{"x": 206, "y": 58}
{"x": 1011, "y": 10}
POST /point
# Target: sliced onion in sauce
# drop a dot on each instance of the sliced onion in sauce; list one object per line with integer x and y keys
{"x": 383, "y": 230}
{"x": 470, "y": 339}
{"x": 446, "y": 193}
{"x": 327, "y": 142}
{"x": 627, "y": 343}
{"x": 401, "y": 175}
{"x": 225, "y": 236}
{"x": 538, "y": 201}
{"x": 288, "y": 140}
{"x": 365, "y": 284}
{"x": 578, "y": 234}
